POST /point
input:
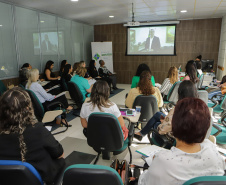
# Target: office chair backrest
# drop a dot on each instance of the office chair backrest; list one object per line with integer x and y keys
{"x": 2, "y": 88}
{"x": 207, "y": 180}
{"x": 199, "y": 83}
{"x": 104, "y": 132}
{"x": 223, "y": 103}
{"x": 87, "y": 174}
{"x": 203, "y": 95}
{"x": 75, "y": 94}
{"x": 173, "y": 93}
{"x": 148, "y": 105}
{"x": 19, "y": 173}
{"x": 37, "y": 105}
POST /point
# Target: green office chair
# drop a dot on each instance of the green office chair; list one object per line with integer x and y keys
{"x": 172, "y": 96}
{"x": 86, "y": 174}
{"x": 219, "y": 131}
{"x": 2, "y": 88}
{"x": 207, "y": 180}
{"x": 48, "y": 116}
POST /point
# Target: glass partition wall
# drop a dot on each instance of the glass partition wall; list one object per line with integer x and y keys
{"x": 29, "y": 36}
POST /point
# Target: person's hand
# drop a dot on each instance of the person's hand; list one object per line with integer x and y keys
{"x": 58, "y": 77}
{"x": 47, "y": 89}
{"x": 62, "y": 156}
{"x": 42, "y": 80}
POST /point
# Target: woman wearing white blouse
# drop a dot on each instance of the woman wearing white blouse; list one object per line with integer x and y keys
{"x": 44, "y": 97}
{"x": 193, "y": 156}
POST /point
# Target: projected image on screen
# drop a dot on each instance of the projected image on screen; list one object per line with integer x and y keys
{"x": 49, "y": 43}
{"x": 151, "y": 40}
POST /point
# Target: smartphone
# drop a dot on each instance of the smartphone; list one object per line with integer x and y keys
{"x": 129, "y": 112}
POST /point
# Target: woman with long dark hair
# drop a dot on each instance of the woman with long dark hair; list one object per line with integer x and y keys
{"x": 136, "y": 78}
{"x": 49, "y": 75}
{"x": 66, "y": 75}
{"x": 191, "y": 72}
{"x": 62, "y": 65}
{"x": 99, "y": 102}
{"x": 144, "y": 87}
{"x": 23, "y": 138}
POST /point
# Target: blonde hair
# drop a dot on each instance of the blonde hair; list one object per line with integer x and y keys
{"x": 32, "y": 77}
{"x": 81, "y": 71}
{"x": 173, "y": 74}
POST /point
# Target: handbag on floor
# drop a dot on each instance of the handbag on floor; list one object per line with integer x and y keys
{"x": 124, "y": 170}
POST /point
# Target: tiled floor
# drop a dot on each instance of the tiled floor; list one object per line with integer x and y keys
{"x": 74, "y": 140}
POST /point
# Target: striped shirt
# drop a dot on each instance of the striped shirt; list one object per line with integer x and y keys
{"x": 166, "y": 86}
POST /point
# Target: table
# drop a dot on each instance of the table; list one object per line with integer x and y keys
{"x": 133, "y": 119}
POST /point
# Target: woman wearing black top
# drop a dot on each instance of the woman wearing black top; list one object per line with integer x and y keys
{"x": 94, "y": 73}
{"x": 66, "y": 75}
{"x": 49, "y": 75}
{"x": 23, "y": 139}
{"x": 62, "y": 65}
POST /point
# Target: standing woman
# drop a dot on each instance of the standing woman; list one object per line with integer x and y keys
{"x": 136, "y": 78}
{"x": 99, "y": 102}
{"x": 22, "y": 138}
{"x": 169, "y": 81}
{"x": 49, "y": 76}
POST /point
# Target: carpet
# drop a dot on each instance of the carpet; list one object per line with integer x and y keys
{"x": 114, "y": 92}
{"x": 79, "y": 158}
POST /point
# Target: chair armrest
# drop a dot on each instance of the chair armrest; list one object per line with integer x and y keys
{"x": 219, "y": 130}
{"x": 215, "y": 103}
{"x": 49, "y": 106}
{"x": 131, "y": 130}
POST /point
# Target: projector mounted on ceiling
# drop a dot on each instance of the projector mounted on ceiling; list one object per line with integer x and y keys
{"x": 133, "y": 23}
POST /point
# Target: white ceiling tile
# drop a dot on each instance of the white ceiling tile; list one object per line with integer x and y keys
{"x": 97, "y": 11}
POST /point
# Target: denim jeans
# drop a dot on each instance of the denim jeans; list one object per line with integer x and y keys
{"x": 152, "y": 123}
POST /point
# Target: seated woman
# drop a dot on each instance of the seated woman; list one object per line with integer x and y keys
{"x": 199, "y": 68}
{"x": 193, "y": 156}
{"x": 22, "y": 138}
{"x": 66, "y": 75}
{"x": 44, "y": 97}
{"x": 75, "y": 67}
{"x": 23, "y": 73}
{"x": 81, "y": 82}
{"x": 87, "y": 75}
{"x": 136, "y": 78}
{"x": 162, "y": 122}
{"x": 62, "y": 65}
{"x": 191, "y": 73}
{"x": 169, "y": 81}
{"x": 99, "y": 102}
{"x": 49, "y": 76}
{"x": 94, "y": 73}
{"x": 144, "y": 87}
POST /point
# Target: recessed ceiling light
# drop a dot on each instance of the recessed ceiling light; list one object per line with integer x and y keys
{"x": 183, "y": 11}
{"x": 42, "y": 21}
{"x": 74, "y": 0}
{"x": 0, "y": 25}
{"x": 111, "y": 16}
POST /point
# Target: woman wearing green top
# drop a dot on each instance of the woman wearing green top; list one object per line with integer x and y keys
{"x": 140, "y": 69}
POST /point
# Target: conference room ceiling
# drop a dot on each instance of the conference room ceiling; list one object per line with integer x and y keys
{"x": 95, "y": 12}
